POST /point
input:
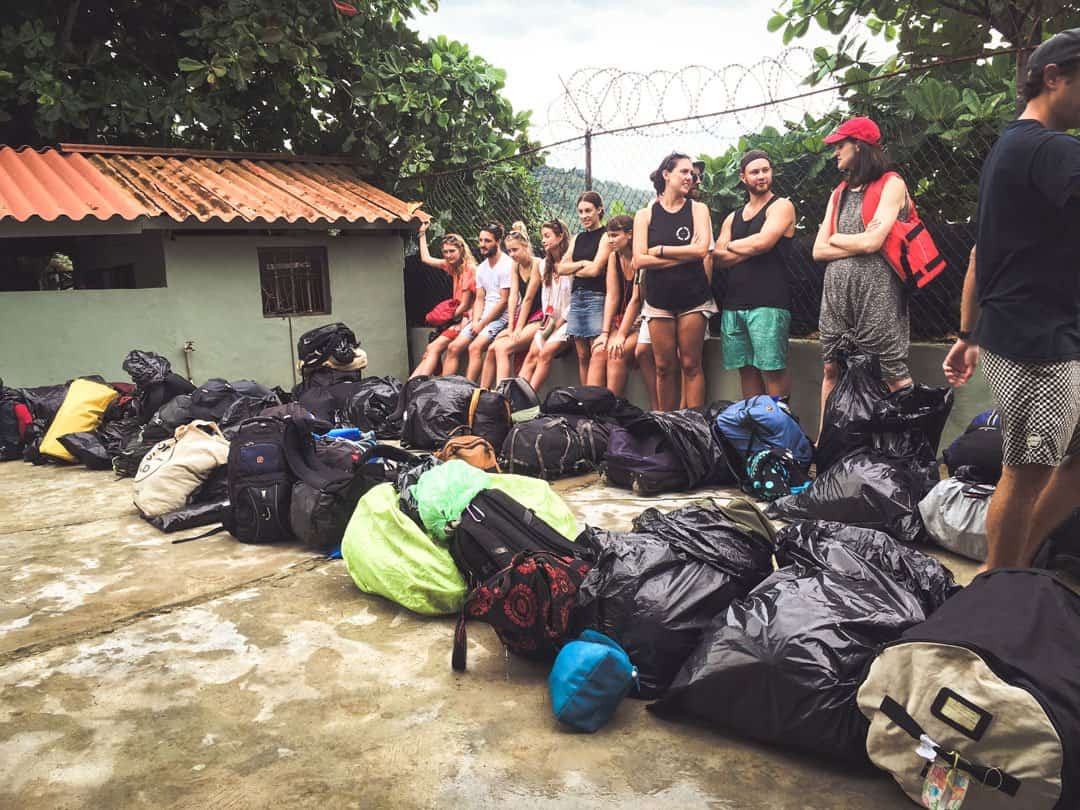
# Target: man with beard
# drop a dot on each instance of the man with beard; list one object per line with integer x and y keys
{"x": 753, "y": 248}
{"x": 489, "y": 310}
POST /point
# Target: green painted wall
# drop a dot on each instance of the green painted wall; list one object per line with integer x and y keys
{"x": 212, "y": 298}
{"x": 804, "y": 359}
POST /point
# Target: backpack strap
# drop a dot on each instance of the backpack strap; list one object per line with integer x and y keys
{"x": 461, "y": 643}
{"x": 210, "y": 533}
{"x": 993, "y": 778}
{"x": 474, "y": 401}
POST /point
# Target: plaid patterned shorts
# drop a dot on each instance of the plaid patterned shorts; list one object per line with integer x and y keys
{"x": 1039, "y": 405}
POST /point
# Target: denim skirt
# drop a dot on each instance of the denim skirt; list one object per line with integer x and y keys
{"x": 585, "y": 317}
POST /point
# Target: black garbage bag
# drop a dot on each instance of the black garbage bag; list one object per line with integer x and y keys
{"x": 849, "y": 409}
{"x": 407, "y": 476}
{"x": 153, "y": 396}
{"x": 146, "y": 368}
{"x": 192, "y": 516}
{"x": 126, "y": 464}
{"x": 373, "y": 405}
{"x": 910, "y": 421}
{"x": 869, "y": 489}
{"x": 88, "y": 450}
{"x": 116, "y": 434}
{"x": 831, "y": 546}
{"x": 434, "y": 407}
{"x": 656, "y": 593}
{"x": 214, "y": 488}
{"x": 216, "y": 400}
{"x": 44, "y": 401}
{"x": 330, "y": 402}
{"x": 784, "y": 664}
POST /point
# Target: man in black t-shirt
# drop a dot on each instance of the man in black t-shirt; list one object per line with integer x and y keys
{"x": 1021, "y": 305}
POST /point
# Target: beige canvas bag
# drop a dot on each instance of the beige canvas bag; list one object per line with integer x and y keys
{"x": 174, "y": 468}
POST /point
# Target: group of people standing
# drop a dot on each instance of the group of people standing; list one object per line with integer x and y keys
{"x": 631, "y": 292}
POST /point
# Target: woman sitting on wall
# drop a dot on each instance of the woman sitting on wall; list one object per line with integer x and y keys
{"x": 671, "y": 239}
{"x": 587, "y": 264}
{"x": 457, "y": 261}
{"x": 550, "y": 340}
{"x": 623, "y": 305}
{"x": 525, "y": 308}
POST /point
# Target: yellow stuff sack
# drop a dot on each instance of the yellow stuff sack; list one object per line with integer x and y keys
{"x": 82, "y": 411}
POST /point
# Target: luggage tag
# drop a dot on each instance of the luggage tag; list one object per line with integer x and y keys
{"x": 945, "y": 787}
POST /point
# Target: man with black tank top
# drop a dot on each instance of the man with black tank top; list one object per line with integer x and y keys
{"x": 753, "y": 250}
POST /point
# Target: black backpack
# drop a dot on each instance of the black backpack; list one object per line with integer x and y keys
{"x": 332, "y": 341}
{"x": 595, "y": 435}
{"x": 524, "y": 403}
{"x": 547, "y": 447}
{"x": 502, "y": 548}
{"x": 323, "y": 377}
{"x": 489, "y": 416}
{"x": 260, "y": 483}
{"x": 494, "y": 528}
{"x": 433, "y": 408}
{"x": 330, "y": 402}
{"x": 580, "y": 400}
{"x": 323, "y": 496}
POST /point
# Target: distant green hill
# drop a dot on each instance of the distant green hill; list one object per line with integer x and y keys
{"x": 559, "y": 190}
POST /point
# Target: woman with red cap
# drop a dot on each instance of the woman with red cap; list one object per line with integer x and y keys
{"x": 863, "y": 301}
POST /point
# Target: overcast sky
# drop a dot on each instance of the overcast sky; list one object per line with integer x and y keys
{"x": 537, "y": 43}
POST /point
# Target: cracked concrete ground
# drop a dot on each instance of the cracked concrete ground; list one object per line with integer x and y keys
{"x": 138, "y": 673}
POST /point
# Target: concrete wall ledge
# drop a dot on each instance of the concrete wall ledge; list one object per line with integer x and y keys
{"x": 804, "y": 360}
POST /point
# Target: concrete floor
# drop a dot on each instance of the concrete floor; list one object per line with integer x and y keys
{"x": 135, "y": 672}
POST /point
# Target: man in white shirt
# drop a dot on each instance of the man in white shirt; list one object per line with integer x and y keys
{"x": 489, "y": 310}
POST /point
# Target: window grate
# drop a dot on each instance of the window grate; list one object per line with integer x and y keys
{"x": 294, "y": 281}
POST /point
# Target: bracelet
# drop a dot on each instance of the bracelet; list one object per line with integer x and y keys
{"x": 661, "y": 251}
{"x": 964, "y": 334}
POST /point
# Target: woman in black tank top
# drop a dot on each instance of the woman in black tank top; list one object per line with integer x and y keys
{"x": 671, "y": 240}
{"x": 587, "y": 262}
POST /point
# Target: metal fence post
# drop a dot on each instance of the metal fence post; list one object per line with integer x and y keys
{"x": 588, "y": 160}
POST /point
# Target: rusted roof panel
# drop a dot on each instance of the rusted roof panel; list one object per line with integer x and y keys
{"x": 78, "y": 181}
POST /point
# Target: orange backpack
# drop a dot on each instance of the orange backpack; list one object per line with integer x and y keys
{"x": 909, "y": 248}
{"x": 474, "y": 450}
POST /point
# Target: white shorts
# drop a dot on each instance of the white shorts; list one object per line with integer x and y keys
{"x": 643, "y": 333}
{"x": 558, "y": 336}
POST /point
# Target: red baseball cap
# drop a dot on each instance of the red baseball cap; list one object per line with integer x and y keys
{"x": 859, "y": 129}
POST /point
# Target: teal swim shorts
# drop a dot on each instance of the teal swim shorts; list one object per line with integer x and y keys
{"x": 755, "y": 337}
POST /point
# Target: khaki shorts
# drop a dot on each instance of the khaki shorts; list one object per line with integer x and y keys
{"x": 706, "y": 308}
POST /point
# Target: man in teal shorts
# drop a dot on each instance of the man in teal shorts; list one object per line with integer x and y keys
{"x": 752, "y": 249}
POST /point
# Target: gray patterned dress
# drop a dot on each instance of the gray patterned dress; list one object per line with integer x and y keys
{"x": 863, "y": 300}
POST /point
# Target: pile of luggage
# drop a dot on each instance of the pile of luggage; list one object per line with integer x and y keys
{"x": 835, "y": 634}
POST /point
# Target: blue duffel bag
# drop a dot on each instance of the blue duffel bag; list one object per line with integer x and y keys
{"x": 590, "y": 678}
{"x": 760, "y": 423}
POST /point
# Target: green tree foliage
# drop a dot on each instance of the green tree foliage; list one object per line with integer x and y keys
{"x": 310, "y": 76}
{"x": 922, "y": 30}
{"x": 560, "y": 189}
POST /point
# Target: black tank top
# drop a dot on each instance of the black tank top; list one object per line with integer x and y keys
{"x": 523, "y": 287}
{"x": 760, "y": 281}
{"x": 685, "y": 285}
{"x": 585, "y": 247}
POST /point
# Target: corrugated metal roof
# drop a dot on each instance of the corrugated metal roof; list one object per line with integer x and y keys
{"x": 77, "y": 182}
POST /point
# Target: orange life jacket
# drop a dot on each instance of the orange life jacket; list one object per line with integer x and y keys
{"x": 909, "y": 248}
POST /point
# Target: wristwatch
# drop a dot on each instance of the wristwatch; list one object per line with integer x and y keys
{"x": 964, "y": 334}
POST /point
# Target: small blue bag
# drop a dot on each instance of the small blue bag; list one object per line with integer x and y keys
{"x": 590, "y": 678}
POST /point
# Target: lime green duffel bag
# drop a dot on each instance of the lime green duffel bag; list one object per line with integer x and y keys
{"x": 443, "y": 493}
{"x": 389, "y": 555}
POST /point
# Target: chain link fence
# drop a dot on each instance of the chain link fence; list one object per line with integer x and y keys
{"x": 595, "y": 144}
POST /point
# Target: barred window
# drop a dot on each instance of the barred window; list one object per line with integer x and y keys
{"x": 294, "y": 281}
